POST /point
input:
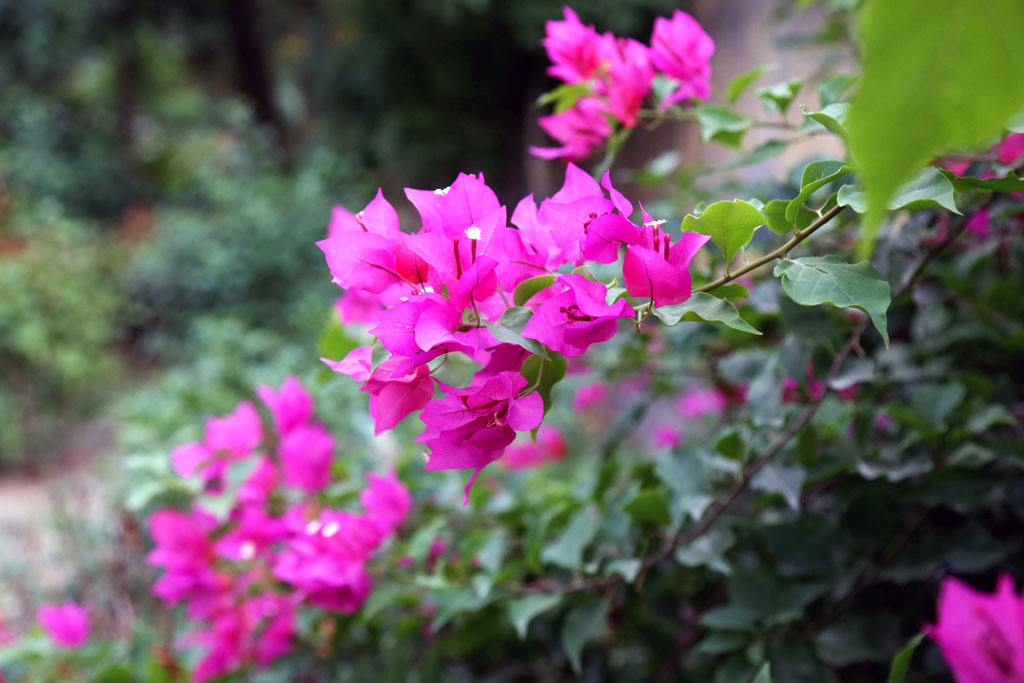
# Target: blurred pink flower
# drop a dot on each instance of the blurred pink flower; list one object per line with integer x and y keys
{"x": 681, "y": 50}
{"x": 697, "y": 402}
{"x": 66, "y": 624}
{"x": 549, "y": 445}
{"x": 386, "y": 500}
{"x": 590, "y": 395}
{"x": 981, "y": 636}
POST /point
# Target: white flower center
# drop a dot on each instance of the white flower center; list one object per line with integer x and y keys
{"x": 655, "y": 224}
{"x": 473, "y": 233}
{"x": 442, "y": 191}
{"x": 330, "y": 529}
{"x": 247, "y": 550}
{"x": 313, "y": 527}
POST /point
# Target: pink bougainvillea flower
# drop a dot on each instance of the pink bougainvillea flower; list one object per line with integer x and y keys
{"x": 394, "y": 397}
{"x": 328, "y": 560}
{"x": 182, "y": 542}
{"x": 578, "y": 317}
{"x": 658, "y": 269}
{"x": 681, "y": 50}
{"x": 981, "y": 636}
{"x": 578, "y": 130}
{"x": 978, "y": 224}
{"x": 471, "y": 427}
{"x": 291, "y": 406}
{"x": 666, "y": 436}
{"x": 238, "y": 433}
{"x": 386, "y": 500}
{"x": 628, "y": 79}
{"x": 306, "y": 454}
{"x": 379, "y": 217}
{"x": 572, "y": 47}
{"x": 697, "y": 402}
{"x": 67, "y": 624}
{"x": 549, "y": 445}
{"x": 590, "y": 395}
{"x": 1011, "y": 149}
{"x": 357, "y": 363}
{"x": 417, "y": 325}
{"x": 261, "y": 483}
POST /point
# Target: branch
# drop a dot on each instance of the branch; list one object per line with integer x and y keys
{"x": 778, "y": 253}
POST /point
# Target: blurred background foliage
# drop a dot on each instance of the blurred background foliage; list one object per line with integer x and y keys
{"x": 163, "y": 162}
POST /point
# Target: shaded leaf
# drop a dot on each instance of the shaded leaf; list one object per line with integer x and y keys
{"x": 703, "y": 307}
{"x": 743, "y": 81}
{"x": 527, "y": 288}
{"x": 901, "y": 662}
{"x": 581, "y": 626}
{"x": 522, "y": 611}
{"x": 722, "y": 125}
{"x": 816, "y": 175}
{"x": 509, "y": 329}
{"x": 787, "y": 480}
{"x": 828, "y": 279}
{"x": 567, "y": 549}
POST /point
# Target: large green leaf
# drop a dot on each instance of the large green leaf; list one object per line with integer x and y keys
{"x": 522, "y": 611}
{"x": 703, "y": 307}
{"x": 581, "y": 626}
{"x": 830, "y": 280}
{"x": 937, "y": 75}
{"x": 730, "y": 224}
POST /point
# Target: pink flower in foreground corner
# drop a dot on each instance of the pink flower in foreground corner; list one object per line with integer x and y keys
{"x": 471, "y": 427}
{"x": 66, "y": 624}
{"x": 981, "y": 636}
{"x": 681, "y": 50}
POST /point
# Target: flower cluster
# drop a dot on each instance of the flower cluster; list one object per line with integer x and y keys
{"x": 616, "y": 74}
{"x": 448, "y": 289}
{"x": 244, "y": 574}
{"x": 981, "y": 636}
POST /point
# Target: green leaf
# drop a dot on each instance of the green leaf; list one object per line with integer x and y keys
{"x": 816, "y": 175}
{"x": 743, "y": 81}
{"x": 901, "y": 662}
{"x": 764, "y": 674}
{"x": 780, "y": 95}
{"x": 931, "y": 189}
{"x": 702, "y": 307}
{"x": 787, "y": 480}
{"x": 730, "y": 224}
{"x": 1008, "y": 183}
{"x": 544, "y": 374}
{"x": 731, "y": 292}
{"x": 626, "y": 567}
{"x": 775, "y": 213}
{"x": 833, "y": 117}
{"x": 564, "y": 96}
{"x": 527, "y": 288}
{"x": 830, "y": 280}
{"x": 937, "y": 75}
{"x": 523, "y": 610}
{"x": 567, "y": 549}
{"x": 722, "y": 125}
{"x": 335, "y": 343}
{"x": 832, "y": 88}
{"x": 378, "y": 354}
{"x": 650, "y": 506}
{"x": 509, "y": 329}
{"x": 581, "y": 626}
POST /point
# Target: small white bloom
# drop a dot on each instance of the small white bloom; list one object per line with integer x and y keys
{"x": 655, "y": 224}
{"x": 313, "y": 527}
{"x": 442, "y": 192}
{"x": 473, "y": 232}
{"x": 330, "y": 529}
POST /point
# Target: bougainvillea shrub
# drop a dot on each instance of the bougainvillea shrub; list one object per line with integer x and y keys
{"x": 742, "y": 433}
